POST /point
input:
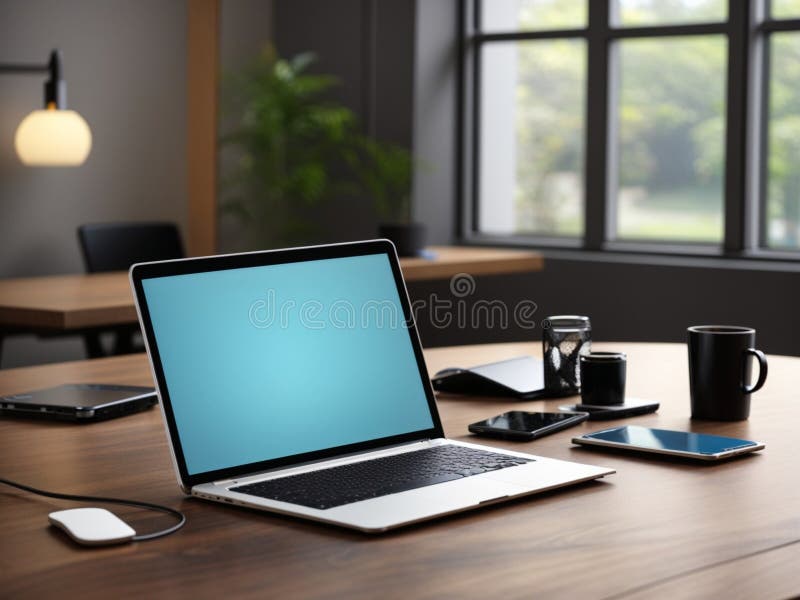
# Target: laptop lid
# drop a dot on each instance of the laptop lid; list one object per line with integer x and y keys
{"x": 269, "y": 359}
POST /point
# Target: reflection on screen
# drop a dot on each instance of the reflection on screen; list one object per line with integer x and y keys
{"x": 662, "y": 439}
{"x": 267, "y": 362}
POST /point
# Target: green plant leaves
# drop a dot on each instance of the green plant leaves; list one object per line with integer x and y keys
{"x": 293, "y": 148}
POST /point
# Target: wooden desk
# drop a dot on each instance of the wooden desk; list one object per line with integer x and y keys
{"x": 67, "y": 302}
{"x": 657, "y": 528}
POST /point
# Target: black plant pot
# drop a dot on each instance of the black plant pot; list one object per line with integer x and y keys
{"x": 409, "y": 238}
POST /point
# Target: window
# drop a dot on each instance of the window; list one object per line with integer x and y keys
{"x": 786, "y": 9}
{"x": 534, "y": 184}
{"x": 783, "y": 166}
{"x": 510, "y": 15}
{"x": 669, "y": 138}
{"x": 624, "y": 124}
{"x": 668, "y": 12}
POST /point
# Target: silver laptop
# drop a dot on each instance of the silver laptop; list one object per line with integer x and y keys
{"x": 293, "y": 381}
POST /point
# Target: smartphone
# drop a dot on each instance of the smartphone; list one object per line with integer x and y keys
{"x": 619, "y": 411}
{"x": 701, "y": 446}
{"x": 525, "y": 426}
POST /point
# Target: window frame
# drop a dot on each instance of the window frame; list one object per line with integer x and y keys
{"x": 747, "y": 30}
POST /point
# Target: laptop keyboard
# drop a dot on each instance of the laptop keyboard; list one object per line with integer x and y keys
{"x": 328, "y": 488}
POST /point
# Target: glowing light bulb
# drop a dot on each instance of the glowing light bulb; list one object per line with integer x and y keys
{"x": 53, "y": 137}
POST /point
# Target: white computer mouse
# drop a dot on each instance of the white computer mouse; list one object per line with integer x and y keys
{"x": 92, "y": 526}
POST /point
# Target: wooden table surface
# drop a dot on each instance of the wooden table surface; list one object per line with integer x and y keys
{"x": 658, "y": 528}
{"x": 64, "y": 302}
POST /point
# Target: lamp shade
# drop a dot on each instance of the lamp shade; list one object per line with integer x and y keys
{"x": 53, "y": 137}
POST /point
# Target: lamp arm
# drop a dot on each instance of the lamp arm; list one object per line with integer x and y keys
{"x": 16, "y": 68}
{"x": 55, "y": 88}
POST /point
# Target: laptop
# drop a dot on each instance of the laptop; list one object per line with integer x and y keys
{"x": 293, "y": 381}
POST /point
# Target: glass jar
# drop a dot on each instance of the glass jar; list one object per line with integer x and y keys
{"x": 565, "y": 338}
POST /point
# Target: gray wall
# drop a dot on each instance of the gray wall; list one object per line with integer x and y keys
{"x": 125, "y": 67}
{"x": 245, "y": 30}
{"x": 369, "y": 46}
{"x": 435, "y": 119}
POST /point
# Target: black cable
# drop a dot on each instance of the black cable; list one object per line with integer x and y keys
{"x": 135, "y": 503}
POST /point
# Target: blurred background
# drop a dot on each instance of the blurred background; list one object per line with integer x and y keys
{"x": 475, "y": 128}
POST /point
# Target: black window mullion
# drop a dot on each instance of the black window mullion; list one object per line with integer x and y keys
{"x": 760, "y": 77}
{"x": 597, "y": 213}
{"x": 468, "y": 120}
{"x": 651, "y": 31}
{"x": 739, "y": 233}
{"x": 518, "y": 36}
{"x": 475, "y": 141}
{"x": 780, "y": 25}
{"x": 764, "y": 130}
{"x": 765, "y": 26}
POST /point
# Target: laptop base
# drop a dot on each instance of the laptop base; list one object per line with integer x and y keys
{"x": 392, "y": 511}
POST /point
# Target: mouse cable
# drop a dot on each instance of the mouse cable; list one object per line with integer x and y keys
{"x": 135, "y": 503}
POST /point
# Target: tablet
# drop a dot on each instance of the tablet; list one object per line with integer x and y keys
{"x": 79, "y": 402}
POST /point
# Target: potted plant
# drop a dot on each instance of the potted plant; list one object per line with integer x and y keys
{"x": 290, "y": 149}
{"x": 285, "y": 140}
{"x": 386, "y": 173}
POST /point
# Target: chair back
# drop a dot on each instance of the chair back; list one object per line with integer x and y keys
{"x": 116, "y": 246}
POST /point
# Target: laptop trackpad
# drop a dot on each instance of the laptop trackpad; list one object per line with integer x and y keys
{"x": 424, "y": 502}
{"x": 487, "y": 489}
{"x": 464, "y": 492}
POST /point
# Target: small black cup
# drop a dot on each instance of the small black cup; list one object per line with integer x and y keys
{"x": 720, "y": 366}
{"x": 603, "y": 378}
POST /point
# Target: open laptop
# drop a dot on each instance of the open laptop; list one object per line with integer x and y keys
{"x": 293, "y": 381}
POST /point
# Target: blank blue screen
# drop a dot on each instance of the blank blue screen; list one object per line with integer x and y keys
{"x": 664, "y": 439}
{"x": 273, "y": 361}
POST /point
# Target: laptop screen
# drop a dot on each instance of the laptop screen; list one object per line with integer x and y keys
{"x": 273, "y": 361}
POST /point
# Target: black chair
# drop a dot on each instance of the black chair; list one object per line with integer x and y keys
{"x": 115, "y": 247}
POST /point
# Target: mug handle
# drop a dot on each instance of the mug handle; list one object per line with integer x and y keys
{"x": 762, "y": 370}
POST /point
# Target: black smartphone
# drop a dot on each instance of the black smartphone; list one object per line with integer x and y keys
{"x": 617, "y": 411}
{"x": 526, "y": 426}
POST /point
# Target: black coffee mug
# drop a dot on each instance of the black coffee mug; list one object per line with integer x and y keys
{"x": 720, "y": 366}
{"x": 603, "y": 378}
